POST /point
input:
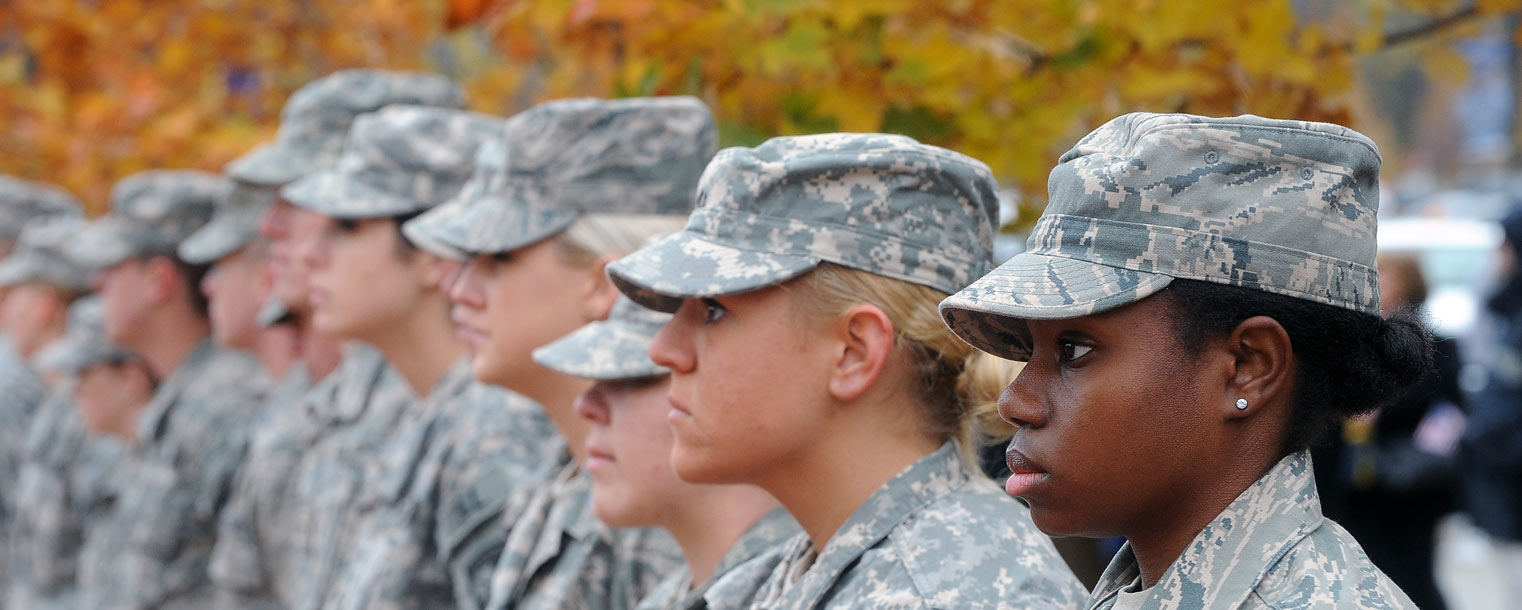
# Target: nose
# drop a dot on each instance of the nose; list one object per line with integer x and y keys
{"x": 465, "y": 288}
{"x": 209, "y": 281}
{"x": 592, "y": 405}
{"x": 275, "y": 224}
{"x": 672, "y": 347}
{"x": 1019, "y": 404}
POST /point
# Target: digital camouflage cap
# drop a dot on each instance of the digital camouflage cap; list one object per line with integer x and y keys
{"x": 398, "y": 160}
{"x": 42, "y": 255}
{"x": 151, "y": 213}
{"x": 879, "y": 203}
{"x": 22, "y": 200}
{"x": 612, "y": 349}
{"x": 562, "y": 159}
{"x": 317, "y": 118}
{"x": 84, "y": 344}
{"x": 1286, "y": 207}
{"x": 233, "y": 225}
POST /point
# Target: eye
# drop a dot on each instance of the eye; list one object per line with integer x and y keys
{"x": 502, "y": 258}
{"x": 1072, "y": 351}
{"x": 713, "y": 311}
{"x": 346, "y": 225}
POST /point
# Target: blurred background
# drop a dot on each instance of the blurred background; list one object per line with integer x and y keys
{"x": 91, "y": 91}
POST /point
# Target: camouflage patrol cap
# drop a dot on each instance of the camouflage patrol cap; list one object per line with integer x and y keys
{"x": 235, "y": 223}
{"x": 1286, "y": 207}
{"x": 272, "y": 312}
{"x": 612, "y": 349}
{"x": 23, "y": 200}
{"x": 151, "y": 213}
{"x": 42, "y": 255}
{"x": 398, "y": 160}
{"x": 318, "y": 116}
{"x": 84, "y": 344}
{"x": 561, "y": 159}
{"x": 879, "y": 203}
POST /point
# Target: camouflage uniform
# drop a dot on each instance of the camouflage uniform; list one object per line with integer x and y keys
{"x": 151, "y": 550}
{"x": 21, "y": 201}
{"x": 558, "y": 161}
{"x": 1286, "y": 207}
{"x": 938, "y": 534}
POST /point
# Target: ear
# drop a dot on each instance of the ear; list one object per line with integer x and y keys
{"x": 865, "y": 335}
{"x": 599, "y": 294}
{"x": 1263, "y": 366}
{"x": 435, "y": 271}
{"x": 164, "y": 280}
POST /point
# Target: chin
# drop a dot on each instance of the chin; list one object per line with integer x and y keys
{"x": 697, "y": 466}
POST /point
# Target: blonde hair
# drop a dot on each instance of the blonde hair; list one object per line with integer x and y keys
{"x": 958, "y": 385}
{"x": 594, "y": 236}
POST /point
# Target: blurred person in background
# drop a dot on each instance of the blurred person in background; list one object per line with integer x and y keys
{"x": 21, "y": 201}
{"x": 1390, "y": 476}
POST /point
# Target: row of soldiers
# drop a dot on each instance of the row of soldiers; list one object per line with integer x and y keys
{"x": 412, "y": 356}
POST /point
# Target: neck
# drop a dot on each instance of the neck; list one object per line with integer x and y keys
{"x": 166, "y": 340}
{"x": 556, "y": 393}
{"x": 707, "y": 526}
{"x": 319, "y": 353}
{"x": 422, "y": 347}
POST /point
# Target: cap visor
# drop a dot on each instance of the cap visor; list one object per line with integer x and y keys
{"x": 990, "y": 314}
{"x": 603, "y": 351}
{"x": 220, "y": 237}
{"x": 101, "y": 244}
{"x": 270, "y": 165}
{"x": 15, "y": 270}
{"x": 271, "y": 313}
{"x": 335, "y": 195}
{"x": 685, "y": 266}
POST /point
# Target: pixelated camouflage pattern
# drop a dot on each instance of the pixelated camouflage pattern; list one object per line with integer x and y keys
{"x": 21, "y": 392}
{"x": 558, "y": 555}
{"x": 677, "y": 591}
{"x": 84, "y": 343}
{"x": 398, "y": 160}
{"x": 879, "y": 203}
{"x": 564, "y": 158}
{"x": 151, "y": 550}
{"x": 444, "y": 489}
{"x": 252, "y": 525}
{"x": 317, "y": 117}
{"x": 937, "y": 535}
{"x": 272, "y": 312}
{"x": 151, "y": 212}
{"x": 616, "y": 348}
{"x": 1270, "y": 548}
{"x": 1286, "y": 207}
{"x": 42, "y": 255}
{"x": 234, "y": 224}
{"x": 22, "y": 200}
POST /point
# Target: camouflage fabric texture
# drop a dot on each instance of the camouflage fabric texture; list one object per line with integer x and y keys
{"x": 152, "y": 549}
{"x": 561, "y": 159}
{"x": 879, "y": 203}
{"x": 443, "y": 498}
{"x": 937, "y": 535}
{"x": 317, "y": 117}
{"x": 678, "y": 592}
{"x": 234, "y": 224}
{"x": 23, "y": 200}
{"x": 42, "y": 255}
{"x": 1286, "y": 207}
{"x": 23, "y": 391}
{"x": 398, "y": 160}
{"x": 151, "y": 213}
{"x": 612, "y": 349}
{"x": 1270, "y": 548}
{"x": 558, "y": 555}
{"x": 84, "y": 344}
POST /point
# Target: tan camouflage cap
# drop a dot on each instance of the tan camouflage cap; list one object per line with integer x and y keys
{"x": 1286, "y": 207}
{"x": 318, "y": 116}
{"x": 235, "y": 223}
{"x": 398, "y": 160}
{"x": 151, "y": 213}
{"x": 613, "y": 349}
{"x": 23, "y": 200}
{"x": 42, "y": 255}
{"x": 84, "y": 344}
{"x": 561, "y": 159}
{"x": 880, "y": 203}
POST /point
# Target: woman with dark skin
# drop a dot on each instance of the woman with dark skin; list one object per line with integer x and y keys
{"x": 1196, "y": 305}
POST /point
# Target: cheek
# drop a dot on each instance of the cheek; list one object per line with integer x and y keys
{"x": 528, "y": 308}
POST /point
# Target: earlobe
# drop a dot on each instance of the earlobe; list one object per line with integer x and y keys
{"x": 866, "y": 337}
{"x": 1263, "y": 367}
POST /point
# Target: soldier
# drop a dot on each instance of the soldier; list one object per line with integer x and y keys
{"x": 23, "y": 200}
{"x": 151, "y": 550}
{"x": 628, "y": 452}
{"x": 1198, "y": 302}
{"x": 573, "y": 185}
{"x": 445, "y": 467}
{"x": 858, "y": 415}
{"x": 272, "y": 541}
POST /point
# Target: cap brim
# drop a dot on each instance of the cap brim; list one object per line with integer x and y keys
{"x": 336, "y": 196}
{"x": 270, "y": 165}
{"x": 685, "y": 266}
{"x": 990, "y": 314}
{"x": 601, "y": 351}
{"x": 489, "y": 225}
{"x": 101, "y": 244}
{"x": 224, "y": 235}
{"x": 15, "y": 270}
{"x": 271, "y": 313}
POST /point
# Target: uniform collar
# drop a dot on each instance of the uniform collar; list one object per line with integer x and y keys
{"x": 1227, "y": 559}
{"x": 151, "y": 423}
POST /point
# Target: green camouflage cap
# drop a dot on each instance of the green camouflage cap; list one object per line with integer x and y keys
{"x": 318, "y": 116}
{"x": 151, "y": 213}
{"x": 235, "y": 223}
{"x": 612, "y": 349}
{"x": 42, "y": 255}
{"x": 879, "y": 203}
{"x": 1286, "y": 207}
{"x": 561, "y": 159}
{"x": 23, "y": 200}
{"x": 398, "y": 160}
{"x": 84, "y": 344}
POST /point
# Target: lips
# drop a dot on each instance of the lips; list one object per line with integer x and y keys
{"x": 1027, "y": 474}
